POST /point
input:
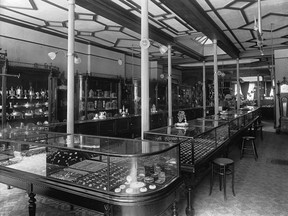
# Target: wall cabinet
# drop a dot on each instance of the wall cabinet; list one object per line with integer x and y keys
{"x": 96, "y": 95}
{"x": 28, "y": 94}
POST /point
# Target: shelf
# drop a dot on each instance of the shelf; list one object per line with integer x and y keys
{"x": 102, "y": 98}
{"x": 93, "y": 110}
{"x": 96, "y": 94}
{"x": 31, "y": 93}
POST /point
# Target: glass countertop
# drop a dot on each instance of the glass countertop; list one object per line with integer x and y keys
{"x": 189, "y": 131}
{"x": 95, "y": 144}
{"x": 204, "y": 122}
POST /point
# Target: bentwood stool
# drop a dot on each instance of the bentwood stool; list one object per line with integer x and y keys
{"x": 248, "y": 146}
{"x": 222, "y": 167}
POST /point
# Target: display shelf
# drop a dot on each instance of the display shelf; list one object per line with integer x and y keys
{"x": 21, "y": 108}
{"x": 130, "y": 174}
{"x": 96, "y": 94}
{"x": 29, "y": 94}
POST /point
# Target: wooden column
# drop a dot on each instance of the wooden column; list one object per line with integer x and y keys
{"x": 238, "y": 84}
{"x": 170, "y": 117}
{"x": 144, "y": 68}
{"x": 70, "y": 71}
{"x": 216, "y": 94}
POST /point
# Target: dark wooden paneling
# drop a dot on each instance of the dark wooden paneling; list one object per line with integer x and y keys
{"x": 122, "y": 127}
{"x": 90, "y": 128}
{"x": 107, "y": 128}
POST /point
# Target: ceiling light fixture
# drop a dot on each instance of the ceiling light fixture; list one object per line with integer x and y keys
{"x": 258, "y": 29}
{"x": 52, "y": 56}
{"x": 145, "y": 43}
{"x": 163, "y": 49}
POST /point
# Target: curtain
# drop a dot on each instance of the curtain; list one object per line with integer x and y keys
{"x": 251, "y": 91}
{"x": 244, "y": 89}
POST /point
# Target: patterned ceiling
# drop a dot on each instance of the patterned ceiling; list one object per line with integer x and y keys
{"x": 189, "y": 26}
{"x": 236, "y": 19}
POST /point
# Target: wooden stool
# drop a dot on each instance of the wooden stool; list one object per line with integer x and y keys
{"x": 222, "y": 167}
{"x": 245, "y": 146}
{"x": 259, "y": 127}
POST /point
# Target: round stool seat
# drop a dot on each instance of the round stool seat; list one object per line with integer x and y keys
{"x": 248, "y": 138}
{"x": 223, "y": 161}
{"x": 248, "y": 144}
{"x": 222, "y": 167}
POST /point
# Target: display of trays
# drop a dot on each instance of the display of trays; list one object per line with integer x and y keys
{"x": 203, "y": 136}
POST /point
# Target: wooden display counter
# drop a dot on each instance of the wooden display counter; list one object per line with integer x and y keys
{"x": 126, "y": 127}
{"x": 202, "y": 140}
{"x": 111, "y": 175}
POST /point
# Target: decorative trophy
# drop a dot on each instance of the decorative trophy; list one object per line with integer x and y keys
{"x": 123, "y": 111}
{"x": 182, "y": 121}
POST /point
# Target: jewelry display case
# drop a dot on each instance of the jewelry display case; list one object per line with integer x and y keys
{"x": 123, "y": 176}
{"x": 197, "y": 140}
{"x": 237, "y": 120}
{"x": 203, "y": 139}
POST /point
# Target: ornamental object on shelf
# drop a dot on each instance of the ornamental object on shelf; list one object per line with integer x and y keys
{"x": 182, "y": 121}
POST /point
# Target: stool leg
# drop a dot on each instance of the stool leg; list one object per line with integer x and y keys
{"x": 242, "y": 149}
{"x": 254, "y": 131}
{"x": 211, "y": 179}
{"x": 224, "y": 183}
{"x": 254, "y": 149}
{"x": 220, "y": 181}
{"x": 261, "y": 133}
{"x": 232, "y": 168}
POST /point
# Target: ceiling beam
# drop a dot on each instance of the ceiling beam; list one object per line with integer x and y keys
{"x": 192, "y": 13}
{"x": 119, "y": 15}
{"x": 189, "y": 61}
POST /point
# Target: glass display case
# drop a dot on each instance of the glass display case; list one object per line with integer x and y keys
{"x": 237, "y": 120}
{"x": 201, "y": 140}
{"x": 197, "y": 140}
{"x": 122, "y": 172}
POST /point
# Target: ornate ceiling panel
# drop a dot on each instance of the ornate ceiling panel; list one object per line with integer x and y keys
{"x": 238, "y": 18}
{"x": 185, "y": 24}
